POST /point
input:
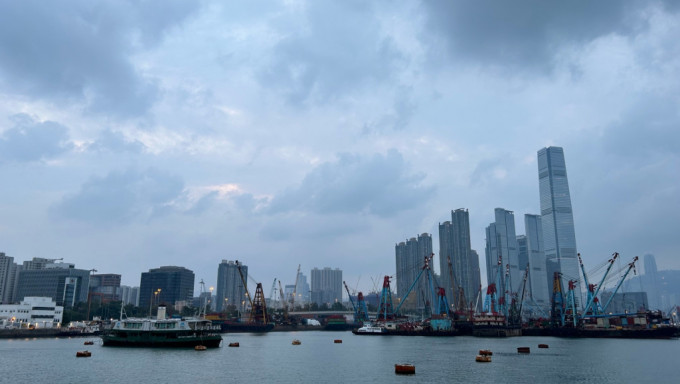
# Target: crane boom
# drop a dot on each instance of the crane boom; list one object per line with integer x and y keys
{"x": 630, "y": 266}
{"x": 590, "y": 302}
{"x": 243, "y": 280}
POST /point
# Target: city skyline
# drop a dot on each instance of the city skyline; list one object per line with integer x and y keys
{"x": 134, "y": 135}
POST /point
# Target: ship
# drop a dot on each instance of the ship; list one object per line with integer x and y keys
{"x": 493, "y": 325}
{"x": 162, "y": 332}
{"x": 429, "y": 327}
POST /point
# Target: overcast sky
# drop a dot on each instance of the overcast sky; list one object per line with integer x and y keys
{"x": 135, "y": 134}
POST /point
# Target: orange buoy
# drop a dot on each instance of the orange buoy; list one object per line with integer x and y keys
{"x": 523, "y": 350}
{"x": 483, "y": 358}
{"x": 234, "y": 344}
{"x": 337, "y": 341}
{"x": 543, "y": 345}
{"x": 83, "y": 354}
{"x": 485, "y": 352}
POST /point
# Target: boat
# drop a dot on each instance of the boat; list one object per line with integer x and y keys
{"x": 235, "y": 344}
{"x": 297, "y": 342}
{"x": 404, "y": 369}
{"x": 369, "y": 330}
{"x": 83, "y": 354}
{"x": 89, "y": 342}
{"x": 493, "y": 325}
{"x": 483, "y": 359}
{"x": 162, "y": 332}
{"x": 200, "y": 347}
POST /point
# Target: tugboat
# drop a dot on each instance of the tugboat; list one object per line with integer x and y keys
{"x": 162, "y": 332}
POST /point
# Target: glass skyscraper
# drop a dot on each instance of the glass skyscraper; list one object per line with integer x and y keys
{"x": 538, "y": 278}
{"x": 454, "y": 243}
{"x": 410, "y": 259}
{"x": 559, "y": 238}
{"x": 501, "y": 243}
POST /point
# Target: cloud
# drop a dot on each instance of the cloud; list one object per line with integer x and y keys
{"x": 527, "y": 34}
{"x": 120, "y": 197}
{"x": 32, "y": 141}
{"x": 338, "y": 48}
{"x": 115, "y": 141}
{"x": 376, "y": 185}
{"x": 81, "y": 51}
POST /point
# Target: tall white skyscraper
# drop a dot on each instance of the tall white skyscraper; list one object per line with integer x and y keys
{"x": 326, "y": 286}
{"x": 559, "y": 238}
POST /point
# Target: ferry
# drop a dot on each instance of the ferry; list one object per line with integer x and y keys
{"x": 163, "y": 332}
{"x": 370, "y": 329}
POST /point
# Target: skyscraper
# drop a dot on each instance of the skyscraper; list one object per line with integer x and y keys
{"x": 326, "y": 286}
{"x": 651, "y": 282}
{"x": 166, "y": 285}
{"x": 501, "y": 246}
{"x": 230, "y": 289}
{"x": 62, "y": 282}
{"x": 454, "y": 244}
{"x": 410, "y": 259}
{"x": 559, "y": 238}
{"x": 538, "y": 277}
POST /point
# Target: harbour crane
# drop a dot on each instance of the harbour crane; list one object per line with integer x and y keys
{"x": 284, "y": 303}
{"x": 245, "y": 285}
{"x": 630, "y": 266}
{"x": 271, "y": 292}
{"x": 593, "y": 297}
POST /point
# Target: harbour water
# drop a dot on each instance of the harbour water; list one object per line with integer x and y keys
{"x": 271, "y": 358}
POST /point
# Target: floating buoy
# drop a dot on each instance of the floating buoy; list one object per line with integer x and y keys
{"x": 200, "y": 347}
{"x": 483, "y": 358}
{"x": 83, "y": 354}
{"x": 485, "y": 352}
{"x": 297, "y": 342}
{"x": 89, "y": 342}
{"x": 234, "y": 344}
{"x": 543, "y": 345}
{"x": 523, "y": 350}
{"x": 337, "y": 341}
{"x": 404, "y": 369}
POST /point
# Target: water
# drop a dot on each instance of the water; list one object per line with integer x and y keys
{"x": 270, "y": 358}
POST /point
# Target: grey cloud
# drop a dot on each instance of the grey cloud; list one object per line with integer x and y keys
{"x": 114, "y": 141}
{"x": 120, "y": 197}
{"x": 340, "y": 50}
{"x": 378, "y": 185}
{"x": 527, "y": 33}
{"x": 650, "y": 127}
{"x": 81, "y": 50}
{"x": 30, "y": 140}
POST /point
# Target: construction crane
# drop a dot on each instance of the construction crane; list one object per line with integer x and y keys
{"x": 297, "y": 277}
{"x": 245, "y": 285}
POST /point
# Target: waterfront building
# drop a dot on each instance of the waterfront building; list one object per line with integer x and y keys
{"x": 62, "y": 282}
{"x": 8, "y": 272}
{"x": 559, "y": 237}
{"x": 129, "y": 295}
{"x": 105, "y": 287}
{"x": 539, "y": 287}
{"x": 454, "y": 245}
{"x": 230, "y": 289}
{"x": 326, "y": 286}
{"x": 40, "y": 312}
{"x": 410, "y": 259}
{"x": 166, "y": 285}
{"x": 477, "y": 284}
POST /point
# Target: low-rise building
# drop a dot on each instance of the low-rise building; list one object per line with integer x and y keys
{"x": 39, "y": 312}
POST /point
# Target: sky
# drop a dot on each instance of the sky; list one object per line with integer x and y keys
{"x": 137, "y": 134}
